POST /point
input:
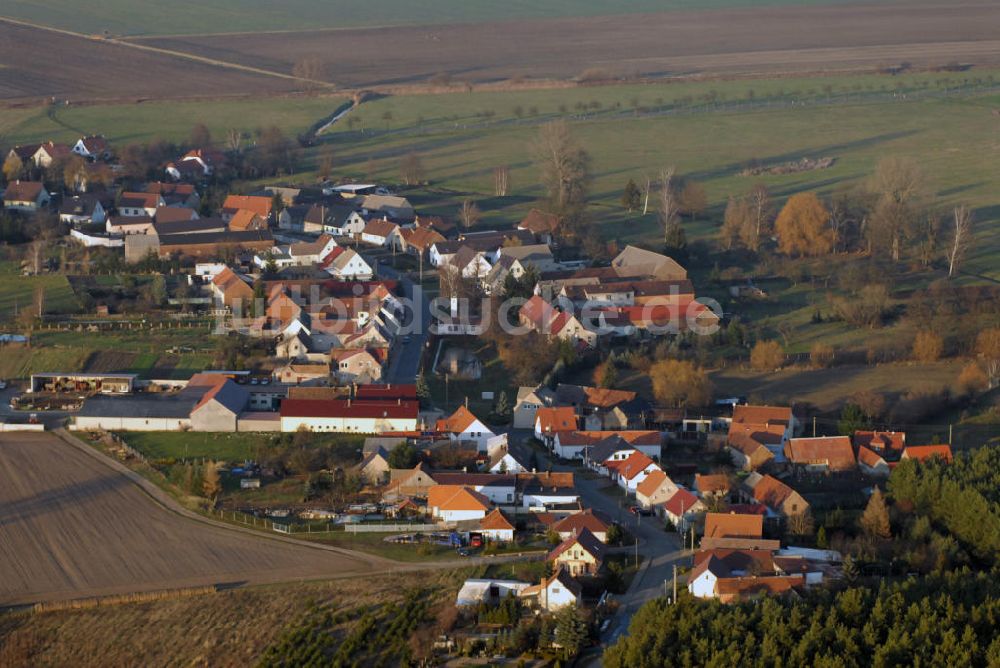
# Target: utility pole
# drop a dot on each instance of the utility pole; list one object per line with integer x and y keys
{"x": 950, "y": 435}
{"x": 675, "y": 584}
{"x": 637, "y": 551}
{"x": 814, "y": 426}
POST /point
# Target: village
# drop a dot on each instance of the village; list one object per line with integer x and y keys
{"x": 589, "y": 497}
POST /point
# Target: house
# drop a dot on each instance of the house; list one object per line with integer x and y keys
{"x": 734, "y": 574}
{"x": 552, "y": 420}
{"x": 302, "y": 373}
{"x": 388, "y": 206}
{"x": 94, "y": 147}
{"x": 872, "y": 463}
{"x": 374, "y": 467}
{"x": 541, "y": 224}
{"x": 232, "y": 290}
{"x": 779, "y": 498}
{"x": 139, "y": 204}
{"x": 346, "y": 264}
{"x": 258, "y": 204}
{"x": 220, "y": 407}
{"x": 923, "y": 453}
{"x": 245, "y": 219}
{"x": 682, "y": 508}
{"x": 462, "y": 425}
{"x": 328, "y": 218}
{"x": 496, "y": 527}
{"x": 406, "y": 483}
{"x": 130, "y": 226}
{"x": 592, "y": 520}
{"x": 355, "y": 366}
{"x": 504, "y": 459}
{"x": 82, "y": 210}
{"x": 196, "y": 164}
{"x": 580, "y": 554}
{"x": 717, "y": 485}
{"x": 529, "y": 400}
{"x": 731, "y": 590}
{"x": 454, "y": 503}
{"x": 213, "y": 244}
{"x": 615, "y": 445}
{"x": 176, "y": 214}
{"x": 751, "y": 446}
{"x": 735, "y": 530}
{"x": 380, "y": 232}
{"x": 554, "y": 592}
{"x": 418, "y": 240}
{"x": 25, "y": 196}
{"x": 634, "y": 262}
{"x": 821, "y": 453}
{"x": 490, "y": 592}
{"x": 881, "y": 442}
{"x": 656, "y": 489}
{"x": 348, "y": 416}
{"x": 175, "y": 194}
{"x": 550, "y": 491}
{"x": 498, "y": 489}
{"x": 468, "y": 263}
{"x": 178, "y": 220}
{"x": 50, "y": 153}
{"x": 631, "y": 471}
{"x": 768, "y": 416}
{"x": 533, "y": 256}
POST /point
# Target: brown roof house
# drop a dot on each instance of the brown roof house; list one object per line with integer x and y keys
{"x": 592, "y": 520}
{"x": 656, "y": 489}
{"x": 776, "y": 495}
{"x": 25, "y": 196}
{"x": 634, "y": 262}
{"x": 496, "y": 527}
{"x": 555, "y": 592}
{"x": 543, "y": 225}
{"x": 734, "y": 530}
{"x": 751, "y": 446}
{"x": 822, "y": 453}
{"x": 580, "y": 554}
{"x": 232, "y": 290}
{"x": 925, "y": 452}
{"x": 871, "y": 463}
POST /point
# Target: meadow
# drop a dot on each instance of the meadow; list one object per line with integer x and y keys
{"x": 148, "y": 17}
{"x": 170, "y": 121}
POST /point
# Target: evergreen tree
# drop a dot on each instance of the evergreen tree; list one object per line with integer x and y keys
{"x": 631, "y": 197}
{"x": 423, "y": 390}
{"x": 502, "y": 408}
{"x": 852, "y": 418}
{"x": 571, "y": 630}
{"x": 875, "y": 520}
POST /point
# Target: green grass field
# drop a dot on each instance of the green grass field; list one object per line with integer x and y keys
{"x": 856, "y": 120}
{"x": 171, "y": 121}
{"x": 197, "y": 445}
{"x": 148, "y": 17}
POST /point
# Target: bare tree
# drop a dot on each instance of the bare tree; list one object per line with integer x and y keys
{"x": 961, "y": 237}
{"x": 761, "y": 212}
{"x": 564, "y": 166}
{"x": 412, "y": 169}
{"x": 501, "y": 180}
{"x": 234, "y": 140}
{"x": 901, "y": 189}
{"x": 669, "y": 204}
{"x": 469, "y": 214}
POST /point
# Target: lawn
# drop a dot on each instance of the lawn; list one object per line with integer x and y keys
{"x": 196, "y": 445}
{"x": 17, "y": 361}
{"x": 17, "y": 294}
{"x": 171, "y": 121}
{"x": 148, "y": 17}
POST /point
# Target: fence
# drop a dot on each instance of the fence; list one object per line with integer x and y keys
{"x": 393, "y": 528}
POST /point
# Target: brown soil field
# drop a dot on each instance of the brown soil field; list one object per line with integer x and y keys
{"x": 37, "y": 63}
{"x": 675, "y": 43}
{"x": 73, "y": 525}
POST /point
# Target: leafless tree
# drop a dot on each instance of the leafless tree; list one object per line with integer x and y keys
{"x": 669, "y": 205}
{"x": 469, "y": 214}
{"x": 901, "y": 189}
{"x": 961, "y": 237}
{"x": 564, "y": 166}
{"x": 501, "y": 180}
{"x": 412, "y": 169}
{"x": 234, "y": 140}
{"x": 761, "y": 212}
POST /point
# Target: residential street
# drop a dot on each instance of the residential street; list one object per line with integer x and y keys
{"x": 405, "y": 360}
{"x": 660, "y": 549}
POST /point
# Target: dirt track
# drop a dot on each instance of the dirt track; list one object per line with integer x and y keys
{"x": 672, "y": 43}
{"x": 72, "y": 526}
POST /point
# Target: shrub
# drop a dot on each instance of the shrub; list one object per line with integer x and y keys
{"x": 821, "y": 355}
{"x": 927, "y": 347}
{"x": 767, "y": 356}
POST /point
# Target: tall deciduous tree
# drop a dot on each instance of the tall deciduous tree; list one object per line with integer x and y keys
{"x": 631, "y": 196}
{"x": 564, "y": 166}
{"x": 737, "y": 216}
{"x": 767, "y": 356}
{"x": 757, "y": 224}
{"x": 961, "y": 237}
{"x": 469, "y": 214}
{"x": 988, "y": 348}
{"x": 693, "y": 200}
{"x": 680, "y": 383}
{"x": 411, "y": 169}
{"x": 803, "y": 227}
{"x": 901, "y": 189}
{"x": 211, "y": 484}
{"x": 669, "y": 209}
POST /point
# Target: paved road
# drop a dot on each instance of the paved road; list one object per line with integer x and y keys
{"x": 659, "y": 549}
{"x": 404, "y": 363}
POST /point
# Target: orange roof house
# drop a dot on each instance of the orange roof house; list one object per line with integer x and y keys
{"x": 458, "y": 421}
{"x": 731, "y": 525}
{"x": 496, "y": 526}
{"x": 744, "y": 414}
{"x": 539, "y": 223}
{"x": 455, "y": 502}
{"x": 593, "y": 521}
{"x": 715, "y": 484}
{"x": 230, "y": 288}
{"x": 549, "y": 420}
{"x": 730, "y": 590}
{"x": 832, "y": 453}
{"x": 244, "y": 219}
{"x": 872, "y": 463}
{"x": 922, "y": 453}
{"x": 776, "y": 495}
{"x": 881, "y": 441}
{"x": 257, "y": 204}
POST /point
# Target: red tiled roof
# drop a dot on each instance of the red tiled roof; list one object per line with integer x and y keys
{"x": 731, "y": 525}
{"x": 681, "y": 502}
{"x": 256, "y": 203}
{"x": 457, "y": 422}
{"x": 832, "y": 451}
{"x": 651, "y": 483}
{"x": 539, "y": 222}
{"x": 771, "y": 492}
{"x": 406, "y": 392}
{"x": 633, "y": 465}
{"x": 345, "y": 408}
{"x": 868, "y": 457}
{"x": 708, "y": 484}
{"x": 762, "y": 414}
{"x": 881, "y": 440}
{"x": 553, "y": 419}
{"x": 496, "y": 521}
{"x": 585, "y": 539}
{"x": 589, "y": 519}
{"x": 924, "y": 452}
{"x": 456, "y": 497}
